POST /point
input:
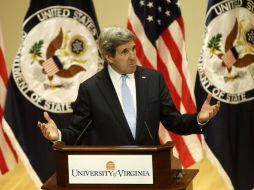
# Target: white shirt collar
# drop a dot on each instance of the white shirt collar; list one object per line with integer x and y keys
{"x": 115, "y": 76}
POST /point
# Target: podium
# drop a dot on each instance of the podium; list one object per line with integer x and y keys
{"x": 160, "y": 157}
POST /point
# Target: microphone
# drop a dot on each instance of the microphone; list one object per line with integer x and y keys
{"x": 81, "y": 134}
{"x": 150, "y": 134}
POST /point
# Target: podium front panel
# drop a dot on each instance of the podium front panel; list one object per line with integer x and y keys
{"x": 110, "y": 169}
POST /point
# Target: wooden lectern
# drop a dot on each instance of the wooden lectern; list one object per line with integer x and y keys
{"x": 164, "y": 178}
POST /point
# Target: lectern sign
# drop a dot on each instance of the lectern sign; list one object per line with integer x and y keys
{"x": 110, "y": 169}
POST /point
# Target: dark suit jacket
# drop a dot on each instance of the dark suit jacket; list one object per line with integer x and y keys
{"x": 97, "y": 101}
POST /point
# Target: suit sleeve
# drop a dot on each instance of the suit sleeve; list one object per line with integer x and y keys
{"x": 81, "y": 117}
{"x": 171, "y": 118}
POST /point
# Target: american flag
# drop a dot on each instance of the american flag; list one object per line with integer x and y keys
{"x": 8, "y": 155}
{"x": 159, "y": 28}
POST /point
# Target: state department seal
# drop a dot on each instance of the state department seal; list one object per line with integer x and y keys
{"x": 58, "y": 51}
{"x": 226, "y": 66}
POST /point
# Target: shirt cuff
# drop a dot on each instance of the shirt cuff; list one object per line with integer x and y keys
{"x": 201, "y": 124}
{"x": 59, "y": 136}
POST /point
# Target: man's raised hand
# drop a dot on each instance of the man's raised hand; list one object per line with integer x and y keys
{"x": 49, "y": 129}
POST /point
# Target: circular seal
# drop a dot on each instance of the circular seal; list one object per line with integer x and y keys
{"x": 226, "y": 66}
{"x": 58, "y": 51}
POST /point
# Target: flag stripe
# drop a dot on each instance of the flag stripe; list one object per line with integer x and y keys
{"x": 9, "y": 156}
{"x": 184, "y": 153}
{"x": 2, "y": 93}
{"x": 173, "y": 92}
{"x": 3, "y": 70}
{"x": 185, "y": 69}
{"x": 3, "y": 165}
{"x": 179, "y": 20}
{"x": 194, "y": 143}
{"x": 3, "y": 80}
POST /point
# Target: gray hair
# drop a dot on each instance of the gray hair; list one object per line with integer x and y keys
{"x": 112, "y": 37}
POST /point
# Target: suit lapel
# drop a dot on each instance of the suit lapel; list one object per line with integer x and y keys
{"x": 108, "y": 91}
{"x": 141, "y": 91}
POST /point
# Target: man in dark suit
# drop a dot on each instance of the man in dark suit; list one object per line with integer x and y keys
{"x": 123, "y": 104}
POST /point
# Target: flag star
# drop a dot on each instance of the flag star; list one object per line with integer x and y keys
{"x": 149, "y": 18}
{"x": 159, "y": 21}
{"x": 150, "y": 4}
{"x": 159, "y": 9}
{"x": 167, "y": 13}
{"x": 141, "y": 3}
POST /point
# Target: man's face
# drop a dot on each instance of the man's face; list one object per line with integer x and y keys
{"x": 125, "y": 60}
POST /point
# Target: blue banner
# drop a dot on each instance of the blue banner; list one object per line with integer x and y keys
{"x": 226, "y": 69}
{"x": 62, "y": 30}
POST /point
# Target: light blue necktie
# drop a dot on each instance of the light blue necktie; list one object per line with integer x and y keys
{"x": 128, "y": 106}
